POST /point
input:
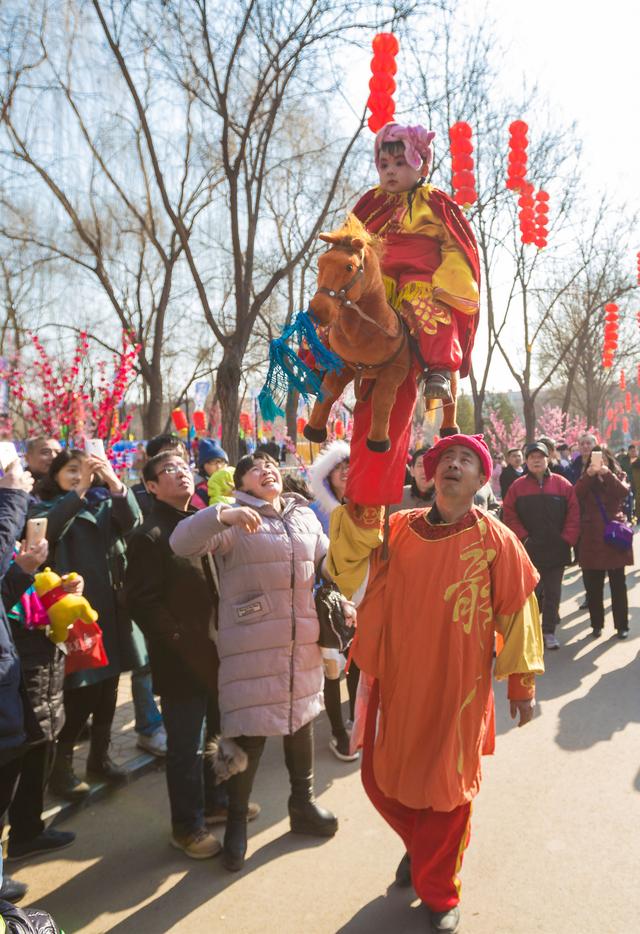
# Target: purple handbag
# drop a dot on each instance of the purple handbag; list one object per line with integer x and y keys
{"x": 618, "y": 534}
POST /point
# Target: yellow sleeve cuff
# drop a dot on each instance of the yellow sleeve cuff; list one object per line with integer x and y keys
{"x": 349, "y": 550}
{"x": 522, "y": 651}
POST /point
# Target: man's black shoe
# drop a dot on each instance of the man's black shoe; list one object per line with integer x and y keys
{"x": 445, "y": 922}
{"x": 12, "y": 890}
{"x": 45, "y": 842}
{"x": 403, "y": 872}
{"x": 584, "y": 605}
{"x": 623, "y": 633}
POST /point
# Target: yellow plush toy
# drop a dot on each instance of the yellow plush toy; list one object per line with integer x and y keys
{"x": 63, "y": 608}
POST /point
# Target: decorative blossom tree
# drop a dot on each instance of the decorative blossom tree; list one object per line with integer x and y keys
{"x": 73, "y": 401}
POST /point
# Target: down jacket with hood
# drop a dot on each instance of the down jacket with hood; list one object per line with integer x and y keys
{"x": 324, "y": 498}
{"x": 271, "y": 677}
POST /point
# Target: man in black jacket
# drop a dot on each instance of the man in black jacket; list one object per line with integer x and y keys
{"x": 173, "y": 601}
{"x": 512, "y": 471}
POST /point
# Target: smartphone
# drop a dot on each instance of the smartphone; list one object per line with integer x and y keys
{"x": 596, "y": 459}
{"x": 8, "y": 454}
{"x": 95, "y": 447}
{"x": 36, "y": 531}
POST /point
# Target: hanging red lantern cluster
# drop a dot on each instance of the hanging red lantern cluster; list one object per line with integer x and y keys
{"x": 627, "y": 402}
{"x": 541, "y": 219}
{"x": 625, "y": 425}
{"x": 526, "y": 214}
{"x": 463, "y": 180}
{"x": 623, "y": 382}
{"x": 610, "y": 335}
{"x": 382, "y": 84}
{"x": 518, "y": 144}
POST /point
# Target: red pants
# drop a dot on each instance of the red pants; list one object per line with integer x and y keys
{"x": 435, "y": 840}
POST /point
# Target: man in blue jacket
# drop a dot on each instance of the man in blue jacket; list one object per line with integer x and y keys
{"x": 17, "y": 722}
{"x": 542, "y": 509}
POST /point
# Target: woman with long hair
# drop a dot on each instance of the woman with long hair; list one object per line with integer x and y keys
{"x": 89, "y": 511}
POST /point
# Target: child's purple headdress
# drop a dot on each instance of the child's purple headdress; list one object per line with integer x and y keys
{"x": 418, "y": 150}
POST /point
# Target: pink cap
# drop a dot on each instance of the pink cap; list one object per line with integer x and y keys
{"x": 475, "y": 443}
{"x": 418, "y": 150}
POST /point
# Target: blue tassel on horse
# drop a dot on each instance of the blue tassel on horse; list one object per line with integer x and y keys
{"x": 288, "y": 372}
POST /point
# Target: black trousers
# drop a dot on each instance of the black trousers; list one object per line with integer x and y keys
{"x": 9, "y": 772}
{"x": 333, "y": 702}
{"x": 594, "y": 582}
{"x": 25, "y": 812}
{"x": 548, "y": 593}
{"x": 97, "y": 699}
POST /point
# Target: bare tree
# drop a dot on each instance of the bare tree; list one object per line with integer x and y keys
{"x": 104, "y": 219}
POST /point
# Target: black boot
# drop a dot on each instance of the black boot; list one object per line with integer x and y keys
{"x": 403, "y": 872}
{"x": 99, "y": 763}
{"x": 63, "y": 780}
{"x": 304, "y": 814}
{"x": 239, "y": 788}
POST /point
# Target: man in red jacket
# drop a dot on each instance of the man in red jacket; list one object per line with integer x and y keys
{"x": 542, "y": 509}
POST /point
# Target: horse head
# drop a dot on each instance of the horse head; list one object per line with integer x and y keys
{"x": 343, "y": 270}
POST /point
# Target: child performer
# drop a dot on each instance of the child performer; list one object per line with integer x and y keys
{"x": 430, "y": 259}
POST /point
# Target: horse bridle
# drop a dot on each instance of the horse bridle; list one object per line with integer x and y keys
{"x": 341, "y": 296}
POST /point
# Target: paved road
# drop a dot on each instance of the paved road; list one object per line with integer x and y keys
{"x": 555, "y": 844}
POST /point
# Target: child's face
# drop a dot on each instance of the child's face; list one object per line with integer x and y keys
{"x": 395, "y": 172}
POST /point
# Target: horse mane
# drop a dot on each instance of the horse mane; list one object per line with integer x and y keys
{"x": 352, "y": 229}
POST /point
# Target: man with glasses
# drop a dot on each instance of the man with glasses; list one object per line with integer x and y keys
{"x": 172, "y": 600}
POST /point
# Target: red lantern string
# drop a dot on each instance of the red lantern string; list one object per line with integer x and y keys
{"x": 610, "y": 344}
{"x": 623, "y": 382}
{"x": 518, "y": 144}
{"x": 463, "y": 180}
{"x": 627, "y": 402}
{"x": 382, "y": 85}
{"x": 541, "y": 219}
{"x": 179, "y": 420}
{"x": 625, "y": 425}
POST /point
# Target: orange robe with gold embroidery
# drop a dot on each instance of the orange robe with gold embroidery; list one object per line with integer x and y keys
{"x": 426, "y": 630}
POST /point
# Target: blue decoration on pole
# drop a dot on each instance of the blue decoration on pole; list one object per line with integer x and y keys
{"x": 288, "y": 372}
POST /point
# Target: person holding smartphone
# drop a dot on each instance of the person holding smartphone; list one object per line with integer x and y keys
{"x": 89, "y": 512}
{"x": 602, "y": 490}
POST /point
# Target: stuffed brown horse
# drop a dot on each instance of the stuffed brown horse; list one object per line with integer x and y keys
{"x": 364, "y": 330}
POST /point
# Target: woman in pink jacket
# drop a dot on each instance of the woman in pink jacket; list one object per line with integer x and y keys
{"x": 268, "y": 549}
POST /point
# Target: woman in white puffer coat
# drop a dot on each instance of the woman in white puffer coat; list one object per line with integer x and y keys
{"x": 268, "y": 549}
{"x": 328, "y": 483}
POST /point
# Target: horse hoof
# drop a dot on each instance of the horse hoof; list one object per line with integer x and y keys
{"x": 315, "y": 434}
{"x": 447, "y": 432}
{"x": 380, "y": 447}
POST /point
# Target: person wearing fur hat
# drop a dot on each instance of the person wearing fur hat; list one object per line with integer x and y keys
{"x": 427, "y": 615}
{"x": 328, "y": 482}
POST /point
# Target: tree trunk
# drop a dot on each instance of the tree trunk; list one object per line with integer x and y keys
{"x": 228, "y": 395}
{"x": 529, "y": 413}
{"x": 291, "y": 414}
{"x": 152, "y": 418}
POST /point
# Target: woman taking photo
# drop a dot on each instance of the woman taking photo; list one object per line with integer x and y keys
{"x": 89, "y": 511}
{"x": 602, "y": 490}
{"x": 267, "y": 551}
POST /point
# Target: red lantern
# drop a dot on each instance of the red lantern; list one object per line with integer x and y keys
{"x": 385, "y": 43}
{"x": 200, "y": 422}
{"x": 462, "y": 165}
{"x": 625, "y": 425}
{"x": 382, "y": 83}
{"x": 609, "y": 414}
{"x": 383, "y": 64}
{"x": 179, "y": 420}
{"x": 627, "y": 402}
{"x": 623, "y": 382}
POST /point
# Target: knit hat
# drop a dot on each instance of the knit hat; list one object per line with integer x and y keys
{"x": 209, "y": 450}
{"x": 475, "y": 443}
{"x": 418, "y": 150}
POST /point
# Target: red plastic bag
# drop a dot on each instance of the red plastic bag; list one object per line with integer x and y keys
{"x": 85, "y": 648}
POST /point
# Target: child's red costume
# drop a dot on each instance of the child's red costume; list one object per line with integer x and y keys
{"x": 432, "y": 276}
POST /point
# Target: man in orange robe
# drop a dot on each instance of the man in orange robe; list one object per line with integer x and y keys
{"x": 427, "y": 619}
